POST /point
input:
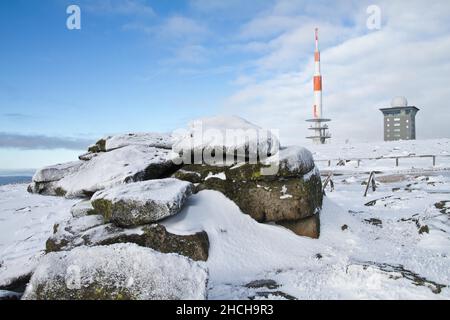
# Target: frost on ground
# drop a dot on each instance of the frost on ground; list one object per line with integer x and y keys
{"x": 392, "y": 244}
{"x": 375, "y": 156}
{"x": 26, "y": 222}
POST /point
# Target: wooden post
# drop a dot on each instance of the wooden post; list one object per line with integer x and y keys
{"x": 434, "y": 161}
{"x": 369, "y": 182}
{"x": 329, "y": 163}
{"x": 396, "y": 162}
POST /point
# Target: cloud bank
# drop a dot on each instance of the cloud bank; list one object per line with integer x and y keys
{"x": 41, "y": 142}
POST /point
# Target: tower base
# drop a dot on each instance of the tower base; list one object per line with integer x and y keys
{"x": 320, "y": 129}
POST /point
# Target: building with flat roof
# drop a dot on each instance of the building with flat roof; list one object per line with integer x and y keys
{"x": 399, "y": 120}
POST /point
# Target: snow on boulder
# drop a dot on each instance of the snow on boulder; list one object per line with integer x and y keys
{"x": 67, "y": 231}
{"x": 82, "y": 208}
{"x": 56, "y": 172}
{"x": 293, "y": 160}
{"x": 128, "y": 164}
{"x": 117, "y": 272}
{"x": 142, "y": 202}
{"x": 226, "y": 135}
{"x": 148, "y": 139}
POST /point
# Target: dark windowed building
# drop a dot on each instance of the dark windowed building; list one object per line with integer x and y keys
{"x": 399, "y": 120}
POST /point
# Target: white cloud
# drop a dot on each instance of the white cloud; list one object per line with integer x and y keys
{"x": 180, "y": 27}
{"x": 193, "y": 54}
{"x": 121, "y": 7}
{"x": 362, "y": 70}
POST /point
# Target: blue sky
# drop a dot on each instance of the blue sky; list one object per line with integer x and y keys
{"x": 141, "y": 65}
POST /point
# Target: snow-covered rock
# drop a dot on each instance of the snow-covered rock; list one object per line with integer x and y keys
{"x": 148, "y": 139}
{"x": 291, "y": 195}
{"x": 67, "y": 231}
{"x": 142, "y": 202}
{"x": 128, "y": 164}
{"x": 82, "y": 208}
{"x": 118, "y": 272}
{"x": 56, "y": 172}
{"x": 226, "y": 135}
{"x": 194, "y": 246}
{"x": 293, "y": 161}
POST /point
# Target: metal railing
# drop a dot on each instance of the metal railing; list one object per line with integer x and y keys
{"x": 342, "y": 161}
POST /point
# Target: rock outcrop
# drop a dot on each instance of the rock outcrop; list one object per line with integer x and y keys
{"x": 130, "y": 183}
{"x": 117, "y": 272}
{"x": 142, "y": 202}
{"x": 291, "y": 197}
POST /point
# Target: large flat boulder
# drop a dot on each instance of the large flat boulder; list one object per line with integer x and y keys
{"x": 148, "y": 139}
{"x": 142, "y": 203}
{"x": 194, "y": 246}
{"x": 105, "y": 170}
{"x": 227, "y": 135}
{"x": 117, "y": 272}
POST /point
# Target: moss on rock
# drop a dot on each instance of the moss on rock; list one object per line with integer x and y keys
{"x": 287, "y": 196}
{"x": 99, "y": 146}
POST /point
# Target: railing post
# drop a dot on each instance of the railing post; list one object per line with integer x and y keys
{"x": 371, "y": 180}
{"x": 396, "y": 162}
{"x": 330, "y": 181}
{"x": 434, "y": 161}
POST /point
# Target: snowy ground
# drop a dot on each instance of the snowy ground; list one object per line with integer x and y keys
{"x": 26, "y": 222}
{"x": 369, "y": 155}
{"x": 370, "y": 247}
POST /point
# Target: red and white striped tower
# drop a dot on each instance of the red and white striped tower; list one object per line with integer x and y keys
{"x": 317, "y": 80}
{"x": 320, "y": 128}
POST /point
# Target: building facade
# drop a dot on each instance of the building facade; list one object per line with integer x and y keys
{"x": 399, "y": 120}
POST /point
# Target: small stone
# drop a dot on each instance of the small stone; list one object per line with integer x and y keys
{"x": 375, "y": 222}
{"x": 265, "y": 283}
{"x": 424, "y": 229}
